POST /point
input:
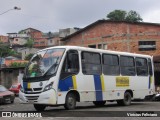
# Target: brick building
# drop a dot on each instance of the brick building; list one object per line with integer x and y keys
{"x": 3, "y": 39}
{"x": 37, "y": 36}
{"x": 16, "y": 39}
{"x": 138, "y": 37}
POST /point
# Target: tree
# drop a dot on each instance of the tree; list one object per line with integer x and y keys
{"x": 121, "y": 15}
{"x": 29, "y": 56}
{"x": 29, "y": 43}
{"x": 5, "y": 50}
{"x": 133, "y": 16}
{"x": 117, "y": 15}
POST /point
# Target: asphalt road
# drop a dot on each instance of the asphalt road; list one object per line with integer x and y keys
{"x": 87, "y": 110}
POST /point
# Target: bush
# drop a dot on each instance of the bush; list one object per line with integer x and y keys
{"x": 18, "y": 64}
{"x": 28, "y": 57}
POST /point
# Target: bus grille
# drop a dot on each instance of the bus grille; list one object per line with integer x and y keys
{"x": 37, "y": 89}
{"x": 33, "y": 90}
{"x": 32, "y": 97}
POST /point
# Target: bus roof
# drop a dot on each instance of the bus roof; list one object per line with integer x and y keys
{"x": 98, "y": 50}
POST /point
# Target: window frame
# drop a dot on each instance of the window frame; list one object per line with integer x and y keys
{"x": 103, "y": 64}
{"x": 82, "y": 62}
{"x": 68, "y": 74}
{"x": 143, "y": 45}
{"x": 127, "y": 66}
{"x": 149, "y": 60}
{"x": 141, "y": 66}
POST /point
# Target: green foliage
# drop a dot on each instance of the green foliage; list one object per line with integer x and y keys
{"x": 117, "y": 15}
{"x": 18, "y": 64}
{"x": 6, "y": 51}
{"x": 133, "y": 16}
{"x": 29, "y": 43}
{"x": 120, "y": 15}
{"x": 29, "y": 56}
{"x": 21, "y": 32}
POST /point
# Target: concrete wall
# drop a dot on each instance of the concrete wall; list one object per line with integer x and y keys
{"x": 26, "y": 51}
{"x": 65, "y": 32}
{"x": 10, "y": 76}
{"x": 53, "y": 41}
{"x": 19, "y": 41}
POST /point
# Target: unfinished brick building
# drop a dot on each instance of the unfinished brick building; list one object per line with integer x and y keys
{"x": 138, "y": 37}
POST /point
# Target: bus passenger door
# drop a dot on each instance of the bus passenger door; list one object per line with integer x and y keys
{"x": 69, "y": 71}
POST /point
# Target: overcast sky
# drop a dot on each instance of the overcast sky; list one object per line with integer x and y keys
{"x": 52, "y": 15}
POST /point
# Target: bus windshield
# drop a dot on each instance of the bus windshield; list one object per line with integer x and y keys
{"x": 43, "y": 61}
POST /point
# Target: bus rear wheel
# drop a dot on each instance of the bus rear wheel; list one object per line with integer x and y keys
{"x": 70, "y": 103}
{"x": 99, "y": 103}
{"x": 39, "y": 107}
{"x": 126, "y": 101}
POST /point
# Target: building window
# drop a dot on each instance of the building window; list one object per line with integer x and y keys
{"x": 36, "y": 43}
{"x": 41, "y": 42}
{"x": 91, "y": 63}
{"x": 50, "y": 41}
{"x": 102, "y": 46}
{"x": 147, "y": 45}
{"x": 92, "y": 46}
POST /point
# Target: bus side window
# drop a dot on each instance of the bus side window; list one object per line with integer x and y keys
{"x": 141, "y": 66}
{"x": 70, "y": 65}
{"x": 127, "y": 65}
{"x": 91, "y": 63}
{"x": 111, "y": 64}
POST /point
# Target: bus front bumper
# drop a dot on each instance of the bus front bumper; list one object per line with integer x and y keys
{"x": 47, "y": 97}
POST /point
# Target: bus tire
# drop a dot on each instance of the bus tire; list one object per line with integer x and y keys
{"x": 70, "y": 102}
{"x": 39, "y": 107}
{"x": 99, "y": 103}
{"x": 126, "y": 101}
{"x": 12, "y": 101}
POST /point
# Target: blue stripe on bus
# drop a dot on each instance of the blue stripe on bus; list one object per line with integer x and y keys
{"x": 66, "y": 84}
{"x": 98, "y": 88}
{"x": 25, "y": 85}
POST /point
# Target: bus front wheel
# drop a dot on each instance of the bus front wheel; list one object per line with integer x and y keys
{"x": 39, "y": 107}
{"x": 126, "y": 100}
{"x": 70, "y": 103}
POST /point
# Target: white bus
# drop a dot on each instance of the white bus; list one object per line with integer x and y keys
{"x": 64, "y": 75}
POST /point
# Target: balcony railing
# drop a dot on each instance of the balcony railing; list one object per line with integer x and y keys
{"x": 18, "y": 35}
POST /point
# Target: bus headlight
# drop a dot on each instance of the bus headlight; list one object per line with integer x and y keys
{"x": 48, "y": 87}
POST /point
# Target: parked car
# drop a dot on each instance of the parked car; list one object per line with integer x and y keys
{"x": 156, "y": 97}
{"x": 6, "y": 96}
{"x": 15, "y": 88}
